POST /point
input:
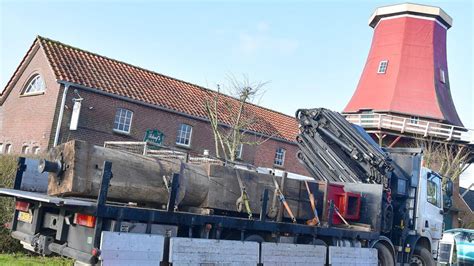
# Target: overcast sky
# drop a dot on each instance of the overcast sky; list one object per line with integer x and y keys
{"x": 311, "y": 52}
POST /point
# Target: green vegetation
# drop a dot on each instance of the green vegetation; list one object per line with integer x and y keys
{"x": 8, "y": 165}
{"x": 11, "y": 251}
{"x": 24, "y": 259}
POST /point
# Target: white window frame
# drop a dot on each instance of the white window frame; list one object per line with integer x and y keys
{"x": 383, "y": 65}
{"x": 1, "y": 148}
{"x": 442, "y": 76}
{"x": 25, "y": 149}
{"x": 120, "y": 120}
{"x": 414, "y": 120}
{"x": 239, "y": 151}
{"x": 8, "y": 148}
{"x": 36, "y": 150}
{"x": 279, "y": 159}
{"x": 184, "y": 134}
{"x": 36, "y": 85}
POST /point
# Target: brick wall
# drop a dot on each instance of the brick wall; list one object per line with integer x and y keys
{"x": 97, "y": 119}
{"x": 26, "y": 120}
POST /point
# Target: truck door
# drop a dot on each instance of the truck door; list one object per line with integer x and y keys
{"x": 430, "y": 215}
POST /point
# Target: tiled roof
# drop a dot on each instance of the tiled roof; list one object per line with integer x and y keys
{"x": 95, "y": 71}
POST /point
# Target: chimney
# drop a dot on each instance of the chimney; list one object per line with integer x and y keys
{"x": 406, "y": 72}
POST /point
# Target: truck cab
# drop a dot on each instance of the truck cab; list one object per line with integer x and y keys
{"x": 429, "y": 222}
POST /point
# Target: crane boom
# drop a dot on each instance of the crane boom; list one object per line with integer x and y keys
{"x": 334, "y": 150}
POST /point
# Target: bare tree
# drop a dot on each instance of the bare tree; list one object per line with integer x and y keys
{"x": 448, "y": 159}
{"x": 232, "y": 117}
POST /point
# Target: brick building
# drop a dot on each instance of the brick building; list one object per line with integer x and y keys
{"x": 120, "y": 102}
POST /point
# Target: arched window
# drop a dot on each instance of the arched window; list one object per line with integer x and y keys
{"x": 36, "y": 150}
{"x": 25, "y": 149}
{"x": 35, "y": 85}
{"x": 8, "y": 148}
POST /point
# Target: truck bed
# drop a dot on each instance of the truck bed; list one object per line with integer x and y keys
{"x": 40, "y": 197}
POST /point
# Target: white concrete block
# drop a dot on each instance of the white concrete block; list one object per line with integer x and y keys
{"x": 193, "y": 251}
{"x": 131, "y": 249}
{"x": 346, "y": 256}
{"x": 276, "y": 254}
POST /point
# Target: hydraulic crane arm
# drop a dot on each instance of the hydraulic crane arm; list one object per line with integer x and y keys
{"x": 334, "y": 150}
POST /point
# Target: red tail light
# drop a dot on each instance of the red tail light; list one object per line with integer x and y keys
{"x": 84, "y": 220}
{"x": 95, "y": 252}
{"x": 22, "y": 206}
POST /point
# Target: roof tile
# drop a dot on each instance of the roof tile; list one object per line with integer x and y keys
{"x": 98, "y": 72}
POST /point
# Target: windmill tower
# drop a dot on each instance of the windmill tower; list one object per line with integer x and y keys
{"x": 404, "y": 89}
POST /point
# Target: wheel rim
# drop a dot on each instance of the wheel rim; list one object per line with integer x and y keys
{"x": 417, "y": 261}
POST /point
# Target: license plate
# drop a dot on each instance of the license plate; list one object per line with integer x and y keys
{"x": 25, "y": 217}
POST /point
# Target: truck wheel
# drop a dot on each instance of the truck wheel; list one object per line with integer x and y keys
{"x": 422, "y": 257}
{"x": 384, "y": 254}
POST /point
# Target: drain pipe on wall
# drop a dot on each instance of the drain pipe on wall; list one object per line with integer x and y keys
{"x": 60, "y": 117}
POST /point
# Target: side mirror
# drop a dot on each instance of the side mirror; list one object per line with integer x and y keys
{"x": 449, "y": 188}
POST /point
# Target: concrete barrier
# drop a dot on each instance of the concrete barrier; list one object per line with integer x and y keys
{"x": 276, "y": 254}
{"x": 131, "y": 249}
{"x": 347, "y": 256}
{"x": 192, "y": 251}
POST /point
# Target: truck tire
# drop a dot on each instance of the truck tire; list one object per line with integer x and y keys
{"x": 422, "y": 257}
{"x": 385, "y": 256}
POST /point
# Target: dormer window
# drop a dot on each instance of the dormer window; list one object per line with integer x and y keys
{"x": 36, "y": 85}
{"x": 382, "y": 67}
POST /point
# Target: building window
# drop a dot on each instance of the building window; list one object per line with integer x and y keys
{"x": 123, "y": 120}
{"x": 238, "y": 151}
{"x": 184, "y": 135}
{"x": 382, "y": 67}
{"x": 36, "y": 150}
{"x": 414, "y": 120}
{"x": 25, "y": 149}
{"x": 36, "y": 85}
{"x": 1, "y": 148}
{"x": 280, "y": 157}
{"x": 442, "y": 76}
{"x": 8, "y": 148}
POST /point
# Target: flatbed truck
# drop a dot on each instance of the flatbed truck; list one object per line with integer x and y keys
{"x": 402, "y": 204}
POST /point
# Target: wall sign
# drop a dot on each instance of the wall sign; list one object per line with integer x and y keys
{"x": 154, "y": 136}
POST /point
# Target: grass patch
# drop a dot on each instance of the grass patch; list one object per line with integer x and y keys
{"x": 25, "y": 259}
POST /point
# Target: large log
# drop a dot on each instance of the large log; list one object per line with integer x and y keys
{"x": 136, "y": 178}
{"x": 140, "y": 179}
